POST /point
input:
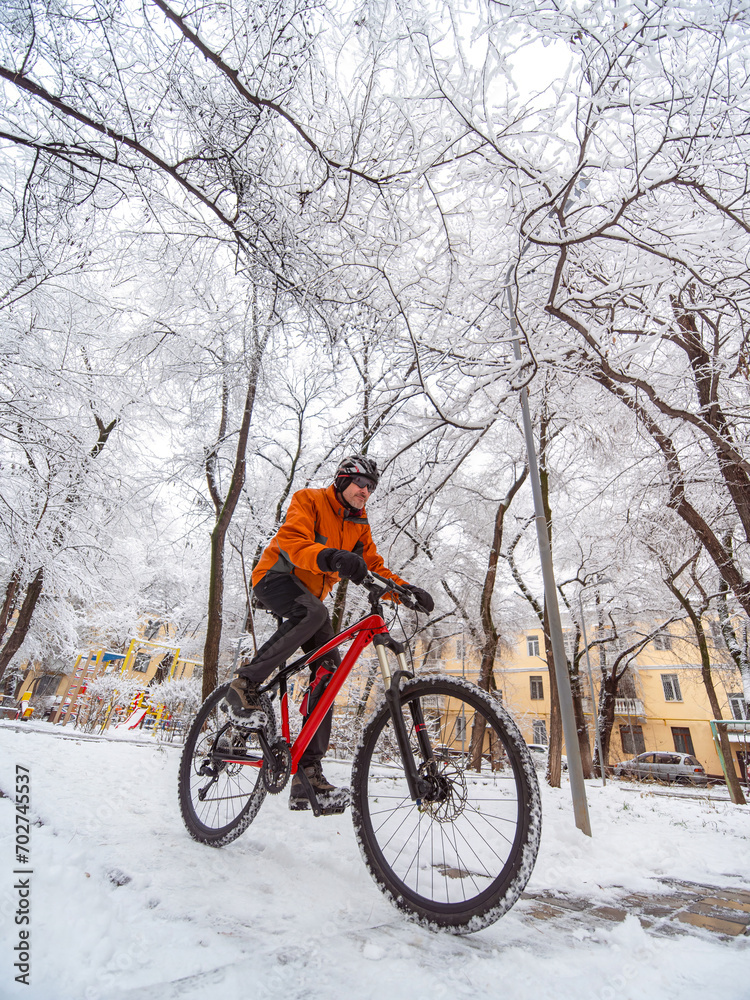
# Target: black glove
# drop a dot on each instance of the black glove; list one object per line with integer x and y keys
{"x": 348, "y": 565}
{"x": 424, "y": 600}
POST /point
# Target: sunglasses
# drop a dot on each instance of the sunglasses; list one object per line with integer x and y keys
{"x": 364, "y": 483}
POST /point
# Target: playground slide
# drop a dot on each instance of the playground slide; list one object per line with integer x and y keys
{"x": 133, "y": 720}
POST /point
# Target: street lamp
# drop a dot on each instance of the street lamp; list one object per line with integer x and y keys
{"x": 594, "y": 703}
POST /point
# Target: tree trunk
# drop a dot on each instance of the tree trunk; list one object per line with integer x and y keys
{"x": 373, "y": 669}
{"x": 607, "y": 697}
{"x": 728, "y": 567}
{"x": 582, "y": 728}
{"x": 23, "y": 622}
{"x": 34, "y": 589}
{"x": 735, "y": 791}
{"x": 339, "y": 606}
{"x": 9, "y": 604}
{"x": 610, "y": 682}
{"x": 491, "y": 637}
{"x": 219, "y": 534}
{"x": 702, "y": 365}
{"x": 733, "y": 782}
{"x": 737, "y": 651}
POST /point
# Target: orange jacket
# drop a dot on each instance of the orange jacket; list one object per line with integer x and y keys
{"x": 315, "y": 521}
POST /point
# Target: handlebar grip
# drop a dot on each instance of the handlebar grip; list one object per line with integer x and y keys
{"x": 381, "y": 583}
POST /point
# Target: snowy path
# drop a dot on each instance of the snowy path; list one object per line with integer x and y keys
{"x": 125, "y": 906}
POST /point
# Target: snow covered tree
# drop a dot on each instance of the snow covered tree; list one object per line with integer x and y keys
{"x": 62, "y": 399}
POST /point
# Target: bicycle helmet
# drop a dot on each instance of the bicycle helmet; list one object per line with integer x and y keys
{"x": 355, "y": 465}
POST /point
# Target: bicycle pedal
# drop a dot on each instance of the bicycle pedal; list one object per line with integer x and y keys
{"x": 333, "y": 810}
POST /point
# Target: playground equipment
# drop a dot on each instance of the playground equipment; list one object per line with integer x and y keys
{"x": 136, "y": 662}
{"x": 84, "y": 671}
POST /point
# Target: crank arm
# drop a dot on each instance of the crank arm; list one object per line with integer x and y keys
{"x": 310, "y": 791}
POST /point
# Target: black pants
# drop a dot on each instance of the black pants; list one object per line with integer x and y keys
{"x": 305, "y": 623}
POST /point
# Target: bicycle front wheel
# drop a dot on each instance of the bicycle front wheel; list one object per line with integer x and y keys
{"x": 219, "y": 799}
{"x": 461, "y": 857}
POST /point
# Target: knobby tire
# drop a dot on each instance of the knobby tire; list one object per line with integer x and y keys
{"x": 232, "y": 793}
{"x": 462, "y": 859}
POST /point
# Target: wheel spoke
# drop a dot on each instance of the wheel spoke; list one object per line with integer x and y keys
{"x": 457, "y": 856}
{"x": 232, "y": 793}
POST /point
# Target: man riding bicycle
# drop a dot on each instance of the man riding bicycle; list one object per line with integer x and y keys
{"x": 325, "y": 538}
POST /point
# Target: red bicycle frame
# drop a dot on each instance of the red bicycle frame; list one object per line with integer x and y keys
{"x": 363, "y": 632}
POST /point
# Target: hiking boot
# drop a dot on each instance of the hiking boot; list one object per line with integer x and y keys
{"x": 330, "y": 799}
{"x": 243, "y": 704}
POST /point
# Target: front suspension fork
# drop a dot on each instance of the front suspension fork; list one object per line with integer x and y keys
{"x": 418, "y": 787}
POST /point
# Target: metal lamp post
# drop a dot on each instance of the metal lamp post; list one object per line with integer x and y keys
{"x": 559, "y": 658}
{"x": 567, "y": 715}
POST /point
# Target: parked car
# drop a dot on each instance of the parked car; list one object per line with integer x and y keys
{"x": 463, "y": 757}
{"x": 450, "y": 753}
{"x": 539, "y": 753}
{"x": 663, "y": 766}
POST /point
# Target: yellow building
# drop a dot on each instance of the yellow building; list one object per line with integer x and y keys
{"x": 662, "y": 702}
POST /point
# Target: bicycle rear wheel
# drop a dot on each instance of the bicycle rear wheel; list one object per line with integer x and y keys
{"x": 462, "y": 857}
{"x": 220, "y": 799}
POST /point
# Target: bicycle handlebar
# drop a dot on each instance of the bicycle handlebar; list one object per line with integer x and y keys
{"x": 377, "y": 585}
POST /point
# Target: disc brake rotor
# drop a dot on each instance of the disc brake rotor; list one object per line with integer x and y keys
{"x": 447, "y": 795}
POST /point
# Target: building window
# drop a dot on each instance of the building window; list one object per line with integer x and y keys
{"x": 460, "y": 733}
{"x": 683, "y": 742}
{"x": 539, "y": 729}
{"x": 663, "y": 641}
{"x": 532, "y": 645}
{"x": 46, "y": 686}
{"x": 141, "y": 662}
{"x": 632, "y": 740}
{"x": 738, "y": 707}
{"x": 626, "y": 685}
{"x": 537, "y": 688}
{"x": 459, "y": 647}
{"x": 671, "y": 687}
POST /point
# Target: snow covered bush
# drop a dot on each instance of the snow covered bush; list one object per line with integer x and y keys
{"x": 106, "y": 693}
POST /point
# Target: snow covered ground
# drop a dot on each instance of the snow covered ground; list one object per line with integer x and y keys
{"x": 123, "y": 904}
